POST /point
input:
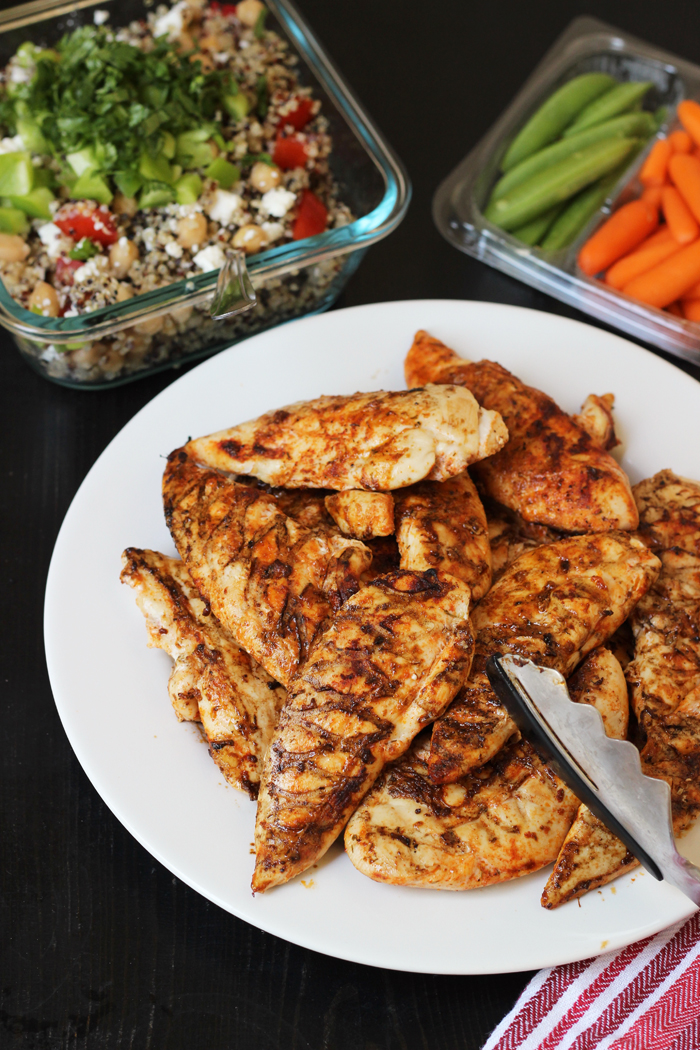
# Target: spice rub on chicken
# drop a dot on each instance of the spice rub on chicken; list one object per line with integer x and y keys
{"x": 551, "y": 470}
{"x": 442, "y": 525}
{"x": 213, "y": 680}
{"x": 500, "y": 822}
{"x": 364, "y": 515}
{"x": 393, "y": 658}
{"x": 381, "y": 440}
{"x": 270, "y": 581}
{"x": 552, "y": 605}
{"x": 664, "y": 677}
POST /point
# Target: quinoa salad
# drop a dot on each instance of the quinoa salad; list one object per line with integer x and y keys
{"x": 135, "y": 157}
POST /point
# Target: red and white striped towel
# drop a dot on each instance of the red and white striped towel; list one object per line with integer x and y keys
{"x": 644, "y": 997}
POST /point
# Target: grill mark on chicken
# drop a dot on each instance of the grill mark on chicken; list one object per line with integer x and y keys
{"x": 213, "y": 680}
{"x": 552, "y": 605}
{"x": 271, "y": 582}
{"x": 442, "y": 525}
{"x": 376, "y": 441}
{"x": 551, "y": 470}
{"x": 393, "y": 658}
{"x": 664, "y": 677}
{"x": 500, "y": 822}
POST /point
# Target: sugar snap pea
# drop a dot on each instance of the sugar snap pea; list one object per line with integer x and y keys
{"x": 554, "y": 115}
{"x": 533, "y": 232}
{"x": 566, "y": 227}
{"x": 617, "y": 100}
{"x": 558, "y": 183}
{"x": 629, "y": 125}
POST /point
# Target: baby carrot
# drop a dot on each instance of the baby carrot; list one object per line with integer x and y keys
{"x": 653, "y": 171}
{"x": 689, "y": 116}
{"x": 691, "y": 309}
{"x": 681, "y": 142}
{"x": 693, "y": 292}
{"x": 675, "y": 309}
{"x": 624, "y": 230}
{"x": 668, "y": 281}
{"x": 680, "y": 220}
{"x": 652, "y": 195}
{"x": 685, "y": 175}
{"x": 646, "y": 256}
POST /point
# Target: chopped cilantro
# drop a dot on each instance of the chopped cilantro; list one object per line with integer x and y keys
{"x": 262, "y": 95}
{"x": 84, "y": 250}
{"x": 253, "y": 158}
{"x": 115, "y": 100}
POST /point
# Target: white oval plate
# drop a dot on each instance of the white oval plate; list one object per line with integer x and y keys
{"x": 155, "y": 774}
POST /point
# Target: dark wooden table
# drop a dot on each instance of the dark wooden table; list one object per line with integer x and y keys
{"x": 100, "y": 946}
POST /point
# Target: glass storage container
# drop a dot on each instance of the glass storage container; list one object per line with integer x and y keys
{"x": 586, "y": 45}
{"x": 291, "y": 280}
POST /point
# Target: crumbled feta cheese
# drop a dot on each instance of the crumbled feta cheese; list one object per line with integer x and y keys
{"x": 224, "y": 206}
{"x": 277, "y": 202}
{"x": 95, "y": 267}
{"x": 210, "y": 258}
{"x": 12, "y": 145}
{"x": 273, "y": 230}
{"x": 50, "y": 353}
{"x": 100, "y": 17}
{"x": 174, "y": 250}
{"x": 54, "y": 240}
{"x": 149, "y": 238}
{"x": 171, "y": 24}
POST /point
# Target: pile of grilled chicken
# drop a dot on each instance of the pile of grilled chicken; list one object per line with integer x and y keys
{"x": 347, "y": 567}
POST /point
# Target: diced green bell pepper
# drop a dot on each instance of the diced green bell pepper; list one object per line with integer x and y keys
{"x": 128, "y": 182}
{"x": 225, "y": 173}
{"x": 16, "y": 174}
{"x": 91, "y": 186}
{"x": 155, "y": 195}
{"x": 155, "y": 169}
{"x": 31, "y": 135}
{"x": 237, "y": 106}
{"x": 12, "y": 220}
{"x": 35, "y": 203}
{"x": 169, "y": 145}
{"x": 188, "y": 188}
{"x": 193, "y": 150}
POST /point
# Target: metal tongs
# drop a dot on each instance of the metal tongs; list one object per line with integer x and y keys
{"x": 604, "y": 773}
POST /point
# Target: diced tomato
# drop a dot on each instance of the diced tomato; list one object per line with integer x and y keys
{"x": 300, "y": 116}
{"x": 222, "y": 9}
{"x": 312, "y": 217}
{"x": 80, "y": 220}
{"x": 65, "y": 268}
{"x": 289, "y": 153}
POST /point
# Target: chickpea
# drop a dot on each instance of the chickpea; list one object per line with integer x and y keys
{"x": 184, "y": 42}
{"x": 124, "y": 292}
{"x": 217, "y": 42}
{"x": 122, "y": 205}
{"x": 122, "y": 255}
{"x": 13, "y": 248}
{"x": 88, "y": 354}
{"x": 248, "y": 11}
{"x": 251, "y": 238}
{"x": 192, "y": 230}
{"x": 182, "y": 315}
{"x": 264, "y": 177}
{"x": 112, "y": 362}
{"x": 44, "y": 300}
{"x": 149, "y": 327}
